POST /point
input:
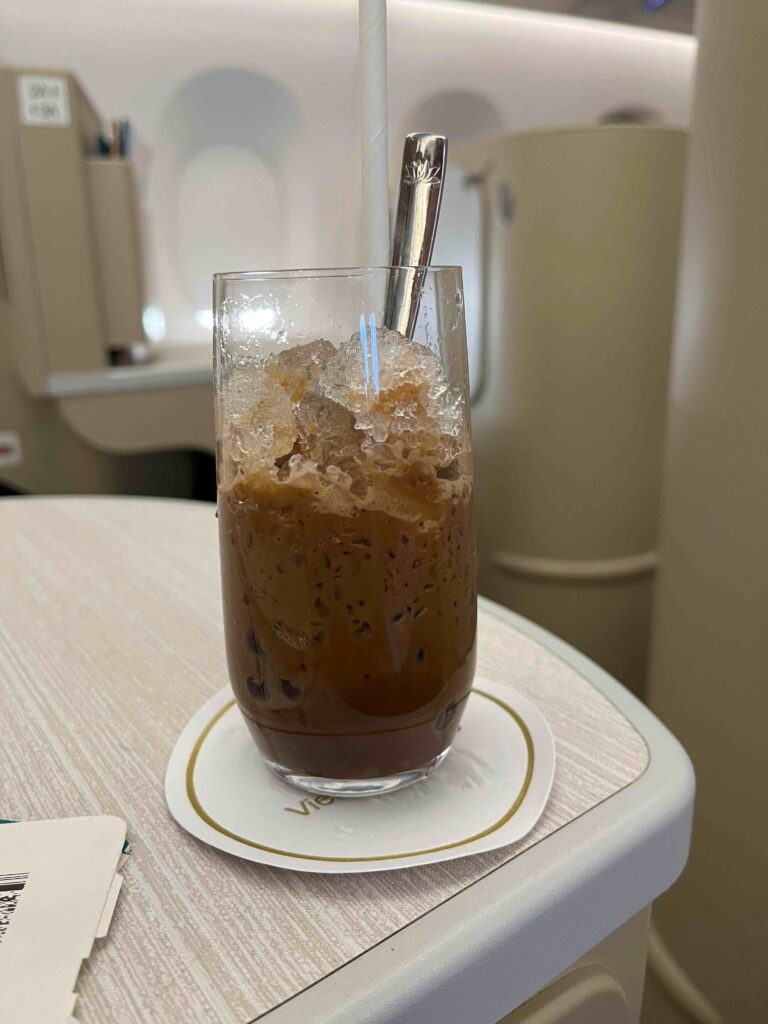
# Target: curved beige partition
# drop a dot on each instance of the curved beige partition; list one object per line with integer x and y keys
{"x": 581, "y": 248}
{"x": 709, "y": 679}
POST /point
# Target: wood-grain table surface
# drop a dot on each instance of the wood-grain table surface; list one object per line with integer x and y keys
{"x": 110, "y": 638}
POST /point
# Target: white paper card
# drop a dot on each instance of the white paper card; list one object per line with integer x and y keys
{"x": 58, "y": 878}
{"x": 489, "y": 792}
{"x": 44, "y": 101}
{"x": 109, "y": 908}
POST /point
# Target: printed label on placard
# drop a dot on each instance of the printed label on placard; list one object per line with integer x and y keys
{"x": 10, "y": 890}
{"x": 44, "y": 101}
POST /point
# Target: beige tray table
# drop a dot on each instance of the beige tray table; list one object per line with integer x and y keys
{"x": 111, "y": 636}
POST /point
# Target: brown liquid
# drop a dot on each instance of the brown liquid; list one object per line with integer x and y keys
{"x": 350, "y": 637}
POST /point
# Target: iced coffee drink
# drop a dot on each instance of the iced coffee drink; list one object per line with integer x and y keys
{"x": 348, "y": 561}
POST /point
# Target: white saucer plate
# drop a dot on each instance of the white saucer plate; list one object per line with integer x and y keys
{"x": 489, "y": 792}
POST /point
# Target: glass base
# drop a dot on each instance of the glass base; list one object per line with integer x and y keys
{"x": 356, "y": 787}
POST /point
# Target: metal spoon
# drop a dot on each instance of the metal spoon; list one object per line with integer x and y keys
{"x": 418, "y": 208}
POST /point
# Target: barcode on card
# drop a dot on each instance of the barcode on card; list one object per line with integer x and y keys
{"x": 10, "y": 890}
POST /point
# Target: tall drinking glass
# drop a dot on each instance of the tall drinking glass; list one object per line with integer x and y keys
{"x": 345, "y": 511}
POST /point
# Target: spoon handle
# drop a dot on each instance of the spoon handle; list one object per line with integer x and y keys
{"x": 418, "y": 208}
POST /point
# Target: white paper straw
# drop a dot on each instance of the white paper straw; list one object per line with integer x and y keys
{"x": 373, "y": 123}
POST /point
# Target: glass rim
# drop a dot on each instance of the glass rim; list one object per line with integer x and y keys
{"x": 319, "y": 272}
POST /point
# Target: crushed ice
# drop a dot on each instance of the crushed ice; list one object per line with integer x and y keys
{"x": 346, "y": 411}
